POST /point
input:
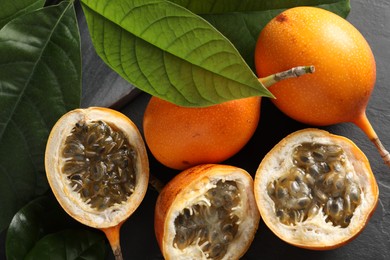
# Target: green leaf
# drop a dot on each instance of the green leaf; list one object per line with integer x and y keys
{"x": 40, "y": 79}
{"x": 242, "y": 29}
{"x": 12, "y": 9}
{"x": 228, "y": 6}
{"x": 169, "y": 52}
{"x": 38, "y": 218}
{"x": 242, "y": 21}
{"x": 69, "y": 245}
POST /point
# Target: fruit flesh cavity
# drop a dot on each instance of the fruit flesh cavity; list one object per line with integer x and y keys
{"x": 63, "y": 153}
{"x": 99, "y": 164}
{"x": 97, "y": 167}
{"x": 339, "y": 205}
{"x": 211, "y": 224}
{"x": 317, "y": 180}
{"x": 213, "y": 199}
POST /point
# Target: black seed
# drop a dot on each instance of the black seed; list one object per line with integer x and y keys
{"x": 72, "y": 167}
{"x": 315, "y": 172}
{"x": 214, "y": 227}
{"x": 318, "y": 180}
{"x": 303, "y": 202}
{"x": 320, "y": 195}
{"x": 334, "y": 150}
{"x": 294, "y": 187}
{"x": 324, "y": 167}
{"x": 271, "y": 189}
{"x": 319, "y": 154}
{"x": 281, "y": 192}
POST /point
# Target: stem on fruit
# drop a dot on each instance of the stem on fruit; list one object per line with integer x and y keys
{"x": 113, "y": 234}
{"x": 291, "y": 73}
{"x": 155, "y": 183}
{"x": 363, "y": 123}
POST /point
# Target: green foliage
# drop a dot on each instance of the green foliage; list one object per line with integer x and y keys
{"x": 42, "y": 230}
{"x": 41, "y": 221}
{"x": 202, "y": 7}
{"x": 12, "y": 9}
{"x": 169, "y": 52}
{"x": 69, "y": 245}
{"x": 40, "y": 79}
{"x": 242, "y": 28}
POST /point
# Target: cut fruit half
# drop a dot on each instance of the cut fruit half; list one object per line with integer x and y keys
{"x": 315, "y": 190}
{"x": 207, "y": 212}
{"x": 97, "y": 167}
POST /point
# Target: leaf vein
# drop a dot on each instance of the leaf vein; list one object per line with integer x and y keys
{"x": 23, "y": 90}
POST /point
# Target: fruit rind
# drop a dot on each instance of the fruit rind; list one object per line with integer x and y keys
{"x": 185, "y": 189}
{"x": 315, "y": 233}
{"x": 182, "y": 137}
{"x": 69, "y": 199}
{"x": 345, "y": 74}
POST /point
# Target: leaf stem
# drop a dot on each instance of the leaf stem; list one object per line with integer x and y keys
{"x": 291, "y": 73}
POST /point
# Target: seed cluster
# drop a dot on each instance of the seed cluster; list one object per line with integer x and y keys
{"x": 212, "y": 223}
{"x": 99, "y": 164}
{"x": 317, "y": 181}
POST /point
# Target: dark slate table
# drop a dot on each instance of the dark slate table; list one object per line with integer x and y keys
{"x": 372, "y": 18}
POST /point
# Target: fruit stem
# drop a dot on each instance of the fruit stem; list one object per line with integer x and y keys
{"x": 291, "y": 73}
{"x": 363, "y": 123}
{"x": 156, "y": 183}
{"x": 113, "y": 234}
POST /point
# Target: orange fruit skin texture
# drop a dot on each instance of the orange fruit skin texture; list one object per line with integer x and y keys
{"x": 345, "y": 71}
{"x": 181, "y": 137}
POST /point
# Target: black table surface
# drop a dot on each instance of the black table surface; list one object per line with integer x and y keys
{"x": 372, "y": 18}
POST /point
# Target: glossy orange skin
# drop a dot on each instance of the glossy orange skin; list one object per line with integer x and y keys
{"x": 345, "y": 72}
{"x": 181, "y": 137}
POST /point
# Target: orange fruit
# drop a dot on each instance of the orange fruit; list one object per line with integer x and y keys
{"x": 97, "y": 167}
{"x": 207, "y": 212}
{"x": 345, "y": 70}
{"x": 315, "y": 190}
{"x": 181, "y": 137}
